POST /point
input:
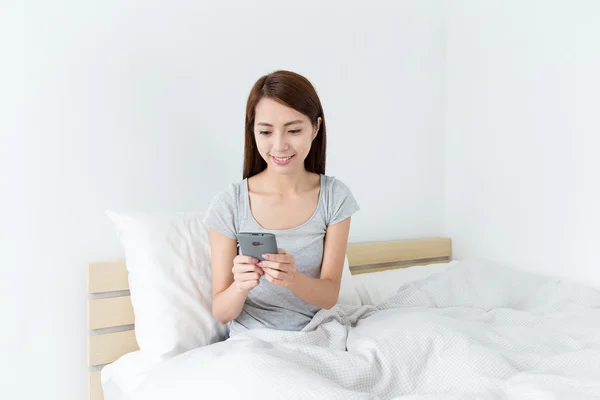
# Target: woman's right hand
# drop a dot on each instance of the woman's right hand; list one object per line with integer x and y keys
{"x": 246, "y": 274}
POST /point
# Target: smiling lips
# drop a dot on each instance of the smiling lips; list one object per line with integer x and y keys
{"x": 282, "y": 160}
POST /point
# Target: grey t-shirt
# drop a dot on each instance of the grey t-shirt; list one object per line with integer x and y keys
{"x": 268, "y": 305}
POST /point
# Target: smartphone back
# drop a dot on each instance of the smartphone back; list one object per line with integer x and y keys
{"x": 256, "y": 244}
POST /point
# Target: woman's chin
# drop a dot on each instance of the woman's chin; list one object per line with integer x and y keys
{"x": 288, "y": 169}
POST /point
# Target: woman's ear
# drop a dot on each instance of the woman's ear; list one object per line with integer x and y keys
{"x": 317, "y": 128}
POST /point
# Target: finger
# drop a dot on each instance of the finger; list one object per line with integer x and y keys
{"x": 275, "y": 273}
{"x": 274, "y": 280}
{"x": 251, "y": 268}
{"x": 282, "y": 258}
{"x": 241, "y": 268}
{"x": 240, "y": 259}
{"x": 281, "y": 251}
{"x": 274, "y": 265}
{"x": 249, "y": 276}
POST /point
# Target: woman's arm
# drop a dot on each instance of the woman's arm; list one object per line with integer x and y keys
{"x": 324, "y": 291}
{"x": 228, "y": 298}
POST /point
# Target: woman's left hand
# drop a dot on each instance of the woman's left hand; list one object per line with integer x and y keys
{"x": 279, "y": 269}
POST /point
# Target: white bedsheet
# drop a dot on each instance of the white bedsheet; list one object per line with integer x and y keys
{"x": 475, "y": 331}
{"x": 121, "y": 377}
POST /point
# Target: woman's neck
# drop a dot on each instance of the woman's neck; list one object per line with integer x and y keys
{"x": 289, "y": 184}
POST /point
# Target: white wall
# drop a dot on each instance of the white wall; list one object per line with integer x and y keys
{"x": 140, "y": 105}
{"x": 523, "y": 132}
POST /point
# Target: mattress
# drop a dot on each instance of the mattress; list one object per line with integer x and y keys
{"x": 120, "y": 378}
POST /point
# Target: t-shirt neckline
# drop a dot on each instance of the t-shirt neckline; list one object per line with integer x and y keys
{"x": 246, "y": 196}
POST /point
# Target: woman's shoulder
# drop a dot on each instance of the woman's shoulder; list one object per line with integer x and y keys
{"x": 338, "y": 199}
{"x": 230, "y": 192}
{"x": 335, "y": 186}
{"x": 222, "y": 213}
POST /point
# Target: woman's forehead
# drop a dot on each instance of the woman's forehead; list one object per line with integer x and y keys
{"x": 274, "y": 113}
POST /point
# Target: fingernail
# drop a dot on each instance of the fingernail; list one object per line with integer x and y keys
{"x": 266, "y": 256}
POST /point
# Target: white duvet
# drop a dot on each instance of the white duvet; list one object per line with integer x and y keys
{"x": 475, "y": 331}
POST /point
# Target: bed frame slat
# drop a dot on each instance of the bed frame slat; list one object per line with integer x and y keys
{"x": 387, "y": 267}
{"x": 95, "y": 386}
{"x": 108, "y": 347}
{"x": 107, "y": 277}
{"x": 110, "y": 312}
{"x": 402, "y": 252}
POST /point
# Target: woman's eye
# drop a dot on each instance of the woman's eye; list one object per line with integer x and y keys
{"x": 264, "y": 132}
{"x": 295, "y": 131}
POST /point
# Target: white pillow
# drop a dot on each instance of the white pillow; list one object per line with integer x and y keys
{"x": 168, "y": 263}
{"x": 348, "y": 294}
{"x": 375, "y": 287}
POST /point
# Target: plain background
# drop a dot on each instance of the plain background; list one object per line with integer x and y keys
{"x": 140, "y": 105}
{"x": 476, "y": 120}
{"x": 523, "y": 133}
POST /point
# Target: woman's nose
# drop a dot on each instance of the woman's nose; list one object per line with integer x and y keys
{"x": 279, "y": 141}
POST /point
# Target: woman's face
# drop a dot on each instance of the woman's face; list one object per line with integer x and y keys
{"x": 283, "y": 136}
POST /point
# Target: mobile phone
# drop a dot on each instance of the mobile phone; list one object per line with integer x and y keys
{"x": 255, "y": 244}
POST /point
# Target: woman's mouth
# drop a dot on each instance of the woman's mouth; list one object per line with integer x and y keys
{"x": 282, "y": 160}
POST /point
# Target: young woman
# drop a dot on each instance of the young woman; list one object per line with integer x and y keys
{"x": 284, "y": 191}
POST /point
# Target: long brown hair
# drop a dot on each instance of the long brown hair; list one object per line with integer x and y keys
{"x": 295, "y": 91}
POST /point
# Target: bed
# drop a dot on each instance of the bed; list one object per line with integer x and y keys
{"x": 445, "y": 330}
{"x": 110, "y": 322}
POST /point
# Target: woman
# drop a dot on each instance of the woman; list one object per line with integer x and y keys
{"x": 284, "y": 191}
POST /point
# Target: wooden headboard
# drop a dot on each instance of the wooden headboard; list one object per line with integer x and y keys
{"x": 110, "y": 318}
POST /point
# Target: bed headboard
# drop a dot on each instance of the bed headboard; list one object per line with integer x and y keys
{"x": 110, "y": 318}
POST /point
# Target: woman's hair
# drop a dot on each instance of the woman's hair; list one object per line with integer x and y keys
{"x": 295, "y": 91}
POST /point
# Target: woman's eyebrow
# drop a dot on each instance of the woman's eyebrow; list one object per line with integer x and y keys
{"x": 297, "y": 121}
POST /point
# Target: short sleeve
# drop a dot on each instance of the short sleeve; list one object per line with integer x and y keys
{"x": 221, "y": 214}
{"x": 342, "y": 203}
